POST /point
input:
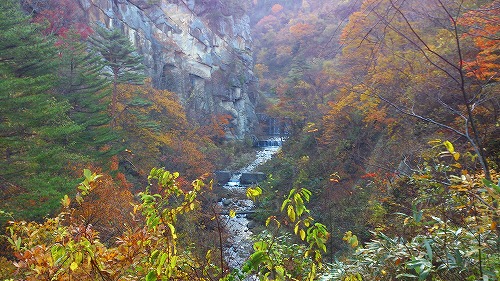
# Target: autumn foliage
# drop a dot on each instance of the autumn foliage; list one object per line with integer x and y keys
{"x": 158, "y": 132}
{"x": 69, "y": 246}
{"x": 365, "y": 91}
{"x": 276, "y": 8}
{"x": 107, "y": 208}
{"x": 483, "y": 28}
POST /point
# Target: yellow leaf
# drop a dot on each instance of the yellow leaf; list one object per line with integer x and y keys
{"x": 406, "y": 220}
{"x": 434, "y": 142}
{"x": 73, "y": 266}
{"x": 449, "y": 147}
{"x": 65, "y": 201}
{"x": 302, "y": 234}
{"x": 232, "y": 213}
{"x": 253, "y": 193}
{"x": 291, "y": 213}
{"x": 347, "y": 236}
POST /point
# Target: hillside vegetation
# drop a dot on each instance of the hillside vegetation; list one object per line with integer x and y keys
{"x": 389, "y": 170}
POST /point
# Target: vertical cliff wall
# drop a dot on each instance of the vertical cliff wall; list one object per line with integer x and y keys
{"x": 199, "y": 49}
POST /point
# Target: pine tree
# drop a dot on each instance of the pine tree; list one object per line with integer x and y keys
{"x": 83, "y": 86}
{"x": 34, "y": 127}
{"x": 122, "y": 60}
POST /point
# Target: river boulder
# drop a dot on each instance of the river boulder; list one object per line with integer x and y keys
{"x": 222, "y": 177}
{"x": 252, "y": 178}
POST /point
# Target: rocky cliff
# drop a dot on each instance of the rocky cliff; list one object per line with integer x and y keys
{"x": 199, "y": 49}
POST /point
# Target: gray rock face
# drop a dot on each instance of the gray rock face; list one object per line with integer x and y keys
{"x": 200, "y": 51}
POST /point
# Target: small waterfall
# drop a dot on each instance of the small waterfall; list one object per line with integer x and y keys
{"x": 268, "y": 143}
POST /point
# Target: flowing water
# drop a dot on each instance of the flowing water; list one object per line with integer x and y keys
{"x": 239, "y": 244}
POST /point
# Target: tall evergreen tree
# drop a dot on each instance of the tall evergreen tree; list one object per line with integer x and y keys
{"x": 122, "y": 60}
{"x": 83, "y": 86}
{"x": 34, "y": 127}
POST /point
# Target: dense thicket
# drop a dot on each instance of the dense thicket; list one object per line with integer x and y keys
{"x": 365, "y": 86}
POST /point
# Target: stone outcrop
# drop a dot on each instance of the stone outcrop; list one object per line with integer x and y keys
{"x": 199, "y": 49}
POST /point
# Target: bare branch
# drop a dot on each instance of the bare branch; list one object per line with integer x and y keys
{"x": 419, "y": 38}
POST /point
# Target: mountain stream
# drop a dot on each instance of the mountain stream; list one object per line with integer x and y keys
{"x": 239, "y": 245}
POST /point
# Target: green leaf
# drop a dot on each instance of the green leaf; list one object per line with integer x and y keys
{"x": 417, "y": 214}
{"x": 306, "y": 193}
{"x": 260, "y": 246}
{"x": 151, "y": 276}
{"x": 283, "y": 205}
{"x": 87, "y": 173}
{"x": 491, "y": 185}
{"x": 58, "y": 252}
{"x": 353, "y": 241}
{"x": 161, "y": 262}
{"x": 421, "y": 266}
{"x": 78, "y": 257}
{"x": 146, "y": 198}
{"x": 428, "y": 248}
{"x": 321, "y": 245}
{"x": 173, "y": 262}
{"x": 299, "y": 203}
{"x": 172, "y": 230}
{"x": 458, "y": 258}
{"x": 154, "y": 256}
{"x": 256, "y": 259}
{"x": 153, "y": 221}
{"x": 280, "y": 272}
{"x": 300, "y": 209}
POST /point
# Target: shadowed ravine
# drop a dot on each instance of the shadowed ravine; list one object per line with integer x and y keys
{"x": 239, "y": 246}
